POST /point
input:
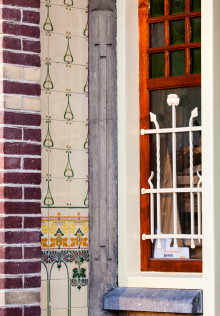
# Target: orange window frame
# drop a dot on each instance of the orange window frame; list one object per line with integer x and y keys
{"x": 146, "y": 84}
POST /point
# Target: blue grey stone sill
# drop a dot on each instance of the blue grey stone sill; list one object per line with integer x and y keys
{"x": 154, "y": 300}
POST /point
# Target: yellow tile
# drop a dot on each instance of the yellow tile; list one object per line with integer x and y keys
{"x": 59, "y": 294}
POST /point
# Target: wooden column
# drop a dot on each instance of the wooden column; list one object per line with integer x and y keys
{"x": 102, "y": 152}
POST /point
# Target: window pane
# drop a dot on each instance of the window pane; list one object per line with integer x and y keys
{"x": 157, "y": 68}
{"x": 157, "y": 34}
{"x": 177, "y": 63}
{"x": 157, "y": 8}
{"x": 196, "y": 5}
{"x": 177, "y": 32}
{"x": 196, "y": 61}
{"x": 177, "y": 6}
{"x": 196, "y": 30}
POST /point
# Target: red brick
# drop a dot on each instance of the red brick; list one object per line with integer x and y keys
{"x": 31, "y": 17}
{"x": 32, "y": 222}
{"x": 22, "y": 178}
{"x": 32, "y": 282}
{"x": 14, "y": 118}
{"x": 20, "y": 267}
{"x": 12, "y": 163}
{"x": 10, "y": 283}
{"x": 10, "y": 222}
{"x": 9, "y": 311}
{"x": 32, "y": 193}
{"x": 32, "y": 252}
{"x": 32, "y": 134}
{"x": 10, "y": 14}
{"x": 21, "y": 149}
{"x": 21, "y": 59}
{"x": 22, "y": 3}
{"x": 21, "y": 88}
{"x": 22, "y": 237}
{"x": 31, "y": 46}
{"x": 32, "y": 310}
{"x": 33, "y": 164}
{"x": 20, "y": 30}
{"x": 10, "y": 192}
{"x": 20, "y": 208}
{"x": 10, "y": 253}
{"x": 12, "y": 133}
{"x": 10, "y": 43}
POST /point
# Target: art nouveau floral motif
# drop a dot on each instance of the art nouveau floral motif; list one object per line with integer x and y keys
{"x": 64, "y": 230}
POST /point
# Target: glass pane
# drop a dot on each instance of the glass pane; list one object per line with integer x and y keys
{"x": 196, "y": 30}
{"x": 177, "y": 63}
{"x": 157, "y": 68}
{"x": 177, "y": 6}
{"x": 196, "y": 5}
{"x": 157, "y": 8}
{"x": 196, "y": 61}
{"x": 177, "y": 32}
{"x": 157, "y": 34}
{"x": 189, "y": 98}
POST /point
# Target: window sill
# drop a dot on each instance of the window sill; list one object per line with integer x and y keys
{"x": 154, "y": 300}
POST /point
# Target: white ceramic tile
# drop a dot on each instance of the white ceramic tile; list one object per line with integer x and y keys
{"x": 77, "y": 192}
{"x": 58, "y": 162}
{"x": 45, "y": 164}
{"x": 59, "y": 189}
{"x": 43, "y": 294}
{"x": 77, "y": 22}
{"x": 79, "y": 163}
{"x": 60, "y": 24}
{"x": 44, "y": 39}
{"x": 77, "y": 78}
{"x": 44, "y": 104}
{"x": 77, "y": 135}
{"x": 43, "y": 15}
{"x": 59, "y": 76}
{"x": 79, "y": 297}
{"x": 81, "y": 4}
{"x": 44, "y": 312}
{"x": 57, "y": 47}
{"x": 60, "y": 312}
{"x": 79, "y": 49}
{"x": 59, "y": 134}
{"x": 59, "y": 294}
{"x": 80, "y": 311}
{"x": 58, "y": 104}
{"x": 59, "y": 273}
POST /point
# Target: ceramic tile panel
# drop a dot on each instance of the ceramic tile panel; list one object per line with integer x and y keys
{"x": 64, "y": 82}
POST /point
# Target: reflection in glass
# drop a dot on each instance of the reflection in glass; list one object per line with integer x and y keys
{"x": 156, "y": 34}
{"x": 196, "y": 30}
{"x": 196, "y": 61}
{"x": 195, "y": 5}
{"x": 177, "y": 6}
{"x": 189, "y": 98}
{"x": 177, "y": 61}
{"x": 157, "y": 68}
{"x": 156, "y": 8}
{"x": 177, "y": 32}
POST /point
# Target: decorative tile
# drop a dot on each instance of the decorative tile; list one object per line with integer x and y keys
{"x": 44, "y": 289}
{"x": 78, "y": 22}
{"x": 78, "y": 133}
{"x": 81, "y": 4}
{"x": 60, "y": 25}
{"x": 78, "y": 76}
{"x": 59, "y": 192}
{"x": 59, "y": 76}
{"x": 78, "y": 190}
{"x": 59, "y": 134}
{"x": 44, "y": 104}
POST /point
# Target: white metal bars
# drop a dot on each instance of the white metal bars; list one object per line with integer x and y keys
{"x": 173, "y": 101}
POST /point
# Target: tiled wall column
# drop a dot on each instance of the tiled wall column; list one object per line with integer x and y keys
{"x": 20, "y": 158}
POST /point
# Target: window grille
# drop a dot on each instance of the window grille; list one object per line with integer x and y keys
{"x": 155, "y": 232}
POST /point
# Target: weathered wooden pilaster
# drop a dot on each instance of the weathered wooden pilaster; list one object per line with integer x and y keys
{"x": 102, "y": 152}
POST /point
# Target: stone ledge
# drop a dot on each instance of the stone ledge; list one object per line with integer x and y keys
{"x": 154, "y": 300}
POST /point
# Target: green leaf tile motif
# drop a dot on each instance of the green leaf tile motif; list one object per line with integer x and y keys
{"x": 68, "y": 171}
{"x": 48, "y": 26}
{"x": 69, "y": 3}
{"x": 68, "y": 115}
{"x": 48, "y": 142}
{"x": 48, "y": 84}
{"x": 85, "y": 88}
{"x": 48, "y": 200}
{"x": 86, "y": 30}
{"x": 68, "y": 57}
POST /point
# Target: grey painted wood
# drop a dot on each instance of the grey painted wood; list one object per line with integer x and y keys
{"x": 102, "y": 153}
{"x": 154, "y": 300}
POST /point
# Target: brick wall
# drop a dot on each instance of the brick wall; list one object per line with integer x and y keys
{"x": 20, "y": 158}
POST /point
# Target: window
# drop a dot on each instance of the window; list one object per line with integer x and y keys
{"x": 170, "y": 63}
